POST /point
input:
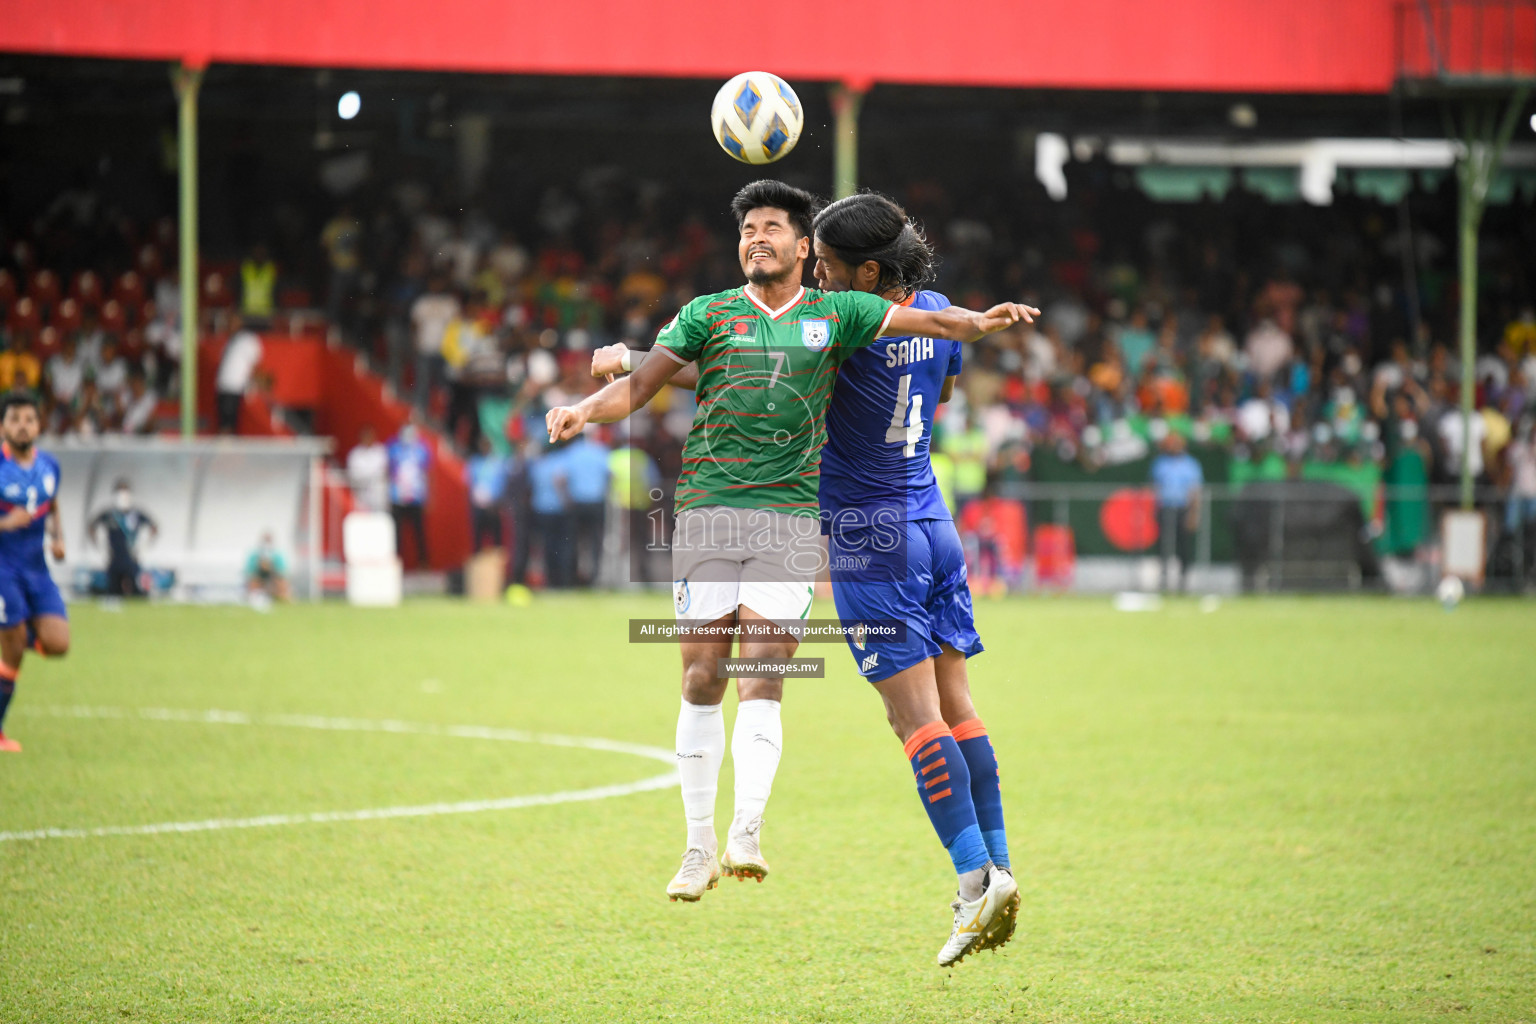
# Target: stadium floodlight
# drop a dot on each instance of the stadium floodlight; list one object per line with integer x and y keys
{"x": 1533, "y": 122}
{"x": 348, "y": 106}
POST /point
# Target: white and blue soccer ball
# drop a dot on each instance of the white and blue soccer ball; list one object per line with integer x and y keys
{"x": 1450, "y": 592}
{"x": 757, "y": 118}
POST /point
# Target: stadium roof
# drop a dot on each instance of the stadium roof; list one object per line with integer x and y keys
{"x": 1302, "y": 46}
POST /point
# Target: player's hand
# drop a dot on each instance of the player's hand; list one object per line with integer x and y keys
{"x": 564, "y": 422}
{"x": 606, "y": 361}
{"x": 58, "y": 549}
{"x": 1006, "y": 314}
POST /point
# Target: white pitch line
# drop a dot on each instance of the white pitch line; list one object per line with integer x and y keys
{"x": 215, "y": 717}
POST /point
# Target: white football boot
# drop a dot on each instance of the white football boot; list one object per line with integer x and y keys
{"x": 699, "y": 874}
{"x": 743, "y": 858}
{"x": 974, "y": 919}
{"x": 1002, "y": 927}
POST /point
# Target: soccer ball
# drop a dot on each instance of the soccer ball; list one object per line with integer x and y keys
{"x": 1450, "y": 592}
{"x": 757, "y": 117}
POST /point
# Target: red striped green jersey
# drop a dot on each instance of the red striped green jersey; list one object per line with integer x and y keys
{"x": 765, "y": 379}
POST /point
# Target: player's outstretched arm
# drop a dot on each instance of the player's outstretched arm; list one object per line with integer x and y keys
{"x": 613, "y": 402}
{"x": 609, "y": 360}
{"x": 956, "y": 323}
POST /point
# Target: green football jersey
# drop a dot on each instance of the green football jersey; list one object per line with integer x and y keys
{"x": 765, "y": 380}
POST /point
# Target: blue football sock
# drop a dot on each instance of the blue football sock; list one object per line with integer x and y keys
{"x": 986, "y": 791}
{"x": 944, "y": 785}
{"x": 7, "y": 690}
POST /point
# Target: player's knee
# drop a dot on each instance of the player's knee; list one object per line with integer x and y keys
{"x": 52, "y": 637}
{"x": 701, "y": 685}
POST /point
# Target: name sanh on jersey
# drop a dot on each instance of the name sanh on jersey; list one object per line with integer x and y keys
{"x": 909, "y": 350}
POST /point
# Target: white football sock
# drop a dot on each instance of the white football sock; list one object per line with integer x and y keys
{"x": 700, "y": 751}
{"x": 755, "y": 747}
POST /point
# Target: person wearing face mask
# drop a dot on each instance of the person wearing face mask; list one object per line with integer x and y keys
{"x": 410, "y": 462}
{"x": 124, "y": 524}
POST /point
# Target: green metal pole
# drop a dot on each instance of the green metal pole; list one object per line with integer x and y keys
{"x": 1470, "y": 213}
{"x": 846, "y": 100}
{"x": 188, "y": 79}
{"x": 1479, "y": 163}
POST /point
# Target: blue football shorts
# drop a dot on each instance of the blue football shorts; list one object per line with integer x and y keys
{"x": 911, "y": 573}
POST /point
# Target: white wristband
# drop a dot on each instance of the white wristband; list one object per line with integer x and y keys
{"x": 625, "y": 362}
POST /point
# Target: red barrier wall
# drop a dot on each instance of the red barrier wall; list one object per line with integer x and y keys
{"x": 307, "y": 374}
{"x": 1219, "y": 45}
{"x": 354, "y": 398}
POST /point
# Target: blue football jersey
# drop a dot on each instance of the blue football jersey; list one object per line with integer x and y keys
{"x": 879, "y": 426}
{"x": 33, "y": 488}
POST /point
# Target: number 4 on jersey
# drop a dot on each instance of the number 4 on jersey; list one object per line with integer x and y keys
{"x": 912, "y": 431}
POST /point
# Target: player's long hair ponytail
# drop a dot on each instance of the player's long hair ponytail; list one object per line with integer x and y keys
{"x": 870, "y": 226}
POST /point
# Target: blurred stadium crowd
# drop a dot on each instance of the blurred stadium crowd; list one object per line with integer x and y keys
{"x": 1283, "y": 335}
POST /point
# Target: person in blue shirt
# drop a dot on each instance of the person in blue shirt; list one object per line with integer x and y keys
{"x": 549, "y": 495}
{"x": 1176, "y": 480}
{"x": 486, "y": 474}
{"x": 587, "y": 474}
{"x": 410, "y": 466}
{"x": 32, "y": 611}
{"x": 896, "y": 557}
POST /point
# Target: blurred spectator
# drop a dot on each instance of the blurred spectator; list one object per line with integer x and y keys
{"x": 19, "y": 368}
{"x": 1520, "y": 455}
{"x": 486, "y": 475}
{"x": 124, "y": 524}
{"x": 242, "y": 354}
{"x": 520, "y": 501}
{"x": 342, "y": 239}
{"x": 1520, "y": 333}
{"x": 1136, "y": 341}
{"x": 66, "y": 374}
{"x": 368, "y": 471}
{"x": 635, "y": 486}
{"x": 430, "y": 316}
{"x": 111, "y": 372}
{"x": 410, "y": 463}
{"x": 967, "y": 447}
{"x": 258, "y": 284}
{"x": 1177, "y": 479}
{"x": 162, "y": 334}
{"x": 139, "y": 406}
{"x": 472, "y": 363}
{"x": 584, "y": 465}
{"x": 550, "y": 498}
{"x": 1268, "y": 348}
{"x": 1453, "y": 428}
{"x": 266, "y": 571}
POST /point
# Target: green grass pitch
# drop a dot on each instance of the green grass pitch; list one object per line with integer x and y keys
{"x": 1287, "y": 810}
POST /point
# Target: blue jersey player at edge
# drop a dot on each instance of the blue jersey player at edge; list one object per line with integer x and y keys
{"x": 31, "y": 610}
{"x": 876, "y": 479}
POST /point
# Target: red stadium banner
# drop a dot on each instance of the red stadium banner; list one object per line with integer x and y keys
{"x": 1341, "y": 46}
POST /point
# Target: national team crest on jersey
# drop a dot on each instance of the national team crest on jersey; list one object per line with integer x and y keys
{"x": 859, "y": 636}
{"x": 48, "y": 484}
{"x": 815, "y": 334}
{"x": 681, "y": 598}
